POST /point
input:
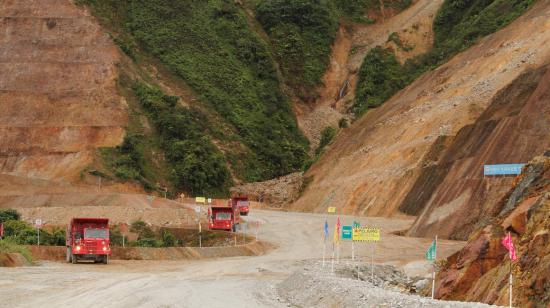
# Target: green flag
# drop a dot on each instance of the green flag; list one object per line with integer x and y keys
{"x": 430, "y": 254}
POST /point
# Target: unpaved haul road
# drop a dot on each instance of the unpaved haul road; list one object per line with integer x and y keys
{"x": 223, "y": 282}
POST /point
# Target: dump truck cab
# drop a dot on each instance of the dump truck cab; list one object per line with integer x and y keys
{"x": 241, "y": 203}
{"x": 223, "y": 218}
{"x": 88, "y": 239}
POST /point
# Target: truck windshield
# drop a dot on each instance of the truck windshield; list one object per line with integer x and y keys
{"x": 96, "y": 233}
{"x": 223, "y": 216}
{"x": 242, "y": 203}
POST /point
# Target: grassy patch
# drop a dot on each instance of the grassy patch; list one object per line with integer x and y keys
{"x": 380, "y": 77}
{"x": 302, "y": 32}
{"x": 197, "y": 166}
{"x": 9, "y": 246}
{"x": 457, "y": 26}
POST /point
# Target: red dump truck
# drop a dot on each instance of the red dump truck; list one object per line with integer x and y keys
{"x": 241, "y": 203}
{"x": 88, "y": 239}
{"x": 223, "y": 218}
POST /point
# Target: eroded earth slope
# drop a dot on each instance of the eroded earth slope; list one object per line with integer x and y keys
{"x": 57, "y": 89}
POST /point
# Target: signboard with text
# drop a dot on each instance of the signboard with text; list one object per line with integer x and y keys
{"x": 366, "y": 234}
{"x": 331, "y": 209}
{"x": 346, "y": 232}
{"x": 503, "y": 169}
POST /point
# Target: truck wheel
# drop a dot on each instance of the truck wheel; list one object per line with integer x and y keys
{"x": 74, "y": 259}
{"x": 234, "y": 228}
{"x": 68, "y": 255}
{"x": 105, "y": 259}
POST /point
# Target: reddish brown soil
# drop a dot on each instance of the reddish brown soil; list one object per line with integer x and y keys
{"x": 512, "y": 129}
{"x": 480, "y": 271}
{"x": 57, "y": 89}
{"x": 12, "y": 260}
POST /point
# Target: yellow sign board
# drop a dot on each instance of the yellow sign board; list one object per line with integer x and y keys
{"x": 366, "y": 234}
{"x": 332, "y": 209}
{"x": 200, "y": 200}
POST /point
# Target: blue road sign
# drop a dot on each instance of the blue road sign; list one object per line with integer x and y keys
{"x": 503, "y": 169}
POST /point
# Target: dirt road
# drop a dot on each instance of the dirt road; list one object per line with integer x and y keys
{"x": 227, "y": 282}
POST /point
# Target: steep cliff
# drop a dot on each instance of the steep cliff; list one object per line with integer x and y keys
{"x": 456, "y": 196}
{"x": 58, "y": 95}
{"x": 480, "y": 271}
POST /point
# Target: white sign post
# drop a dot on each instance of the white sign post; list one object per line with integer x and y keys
{"x": 38, "y": 224}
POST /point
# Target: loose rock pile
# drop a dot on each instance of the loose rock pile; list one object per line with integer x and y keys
{"x": 315, "y": 286}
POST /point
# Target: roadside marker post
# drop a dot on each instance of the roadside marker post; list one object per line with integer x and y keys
{"x": 431, "y": 255}
{"x": 200, "y": 234}
{"x": 325, "y": 233}
{"x": 38, "y": 224}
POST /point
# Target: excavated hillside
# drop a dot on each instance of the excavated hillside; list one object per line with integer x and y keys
{"x": 371, "y": 168}
{"x": 452, "y": 189}
{"x": 57, "y": 89}
{"x": 480, "y": 271}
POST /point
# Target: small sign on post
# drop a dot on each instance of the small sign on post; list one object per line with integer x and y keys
{"x": 200, "y": 200}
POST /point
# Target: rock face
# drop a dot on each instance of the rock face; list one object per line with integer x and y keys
{"x": 479, "y": 272}
{"x": 275, "y": 193}
{"x": 373, "y": 166}
{"x": 57, "y": 89}
{"x": 455, "y": 194}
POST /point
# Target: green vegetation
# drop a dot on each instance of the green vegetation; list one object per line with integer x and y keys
{"x": 327, "y": 134}
{"x": 9, "y": 246}
{"x": 21, "y": 233}
{"x": 355, "y": 9}
{"x": 458, "y": 25}
{"x": 380, "y": 77}
{"x": 9, "y": 214}
{"x": 210, "y": 46}
{"x": 302, "y": 32}
{"x": 197, "y": 165}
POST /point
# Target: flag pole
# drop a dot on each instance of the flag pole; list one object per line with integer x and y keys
{"x": 510, "y": 269}
{"x": 324, "y": 248}
{"x": 332, "y": 262}
{"x": 433, "y": 273}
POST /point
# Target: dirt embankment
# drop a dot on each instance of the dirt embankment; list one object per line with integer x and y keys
{"x": 252, "y": 248}
{"x": 57, "y": 89}
{"x": 451, "y": 195}
{"x": 479, "y": 272}
{"x": 371, "y": 167}
{"x": 13, "y": 260}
